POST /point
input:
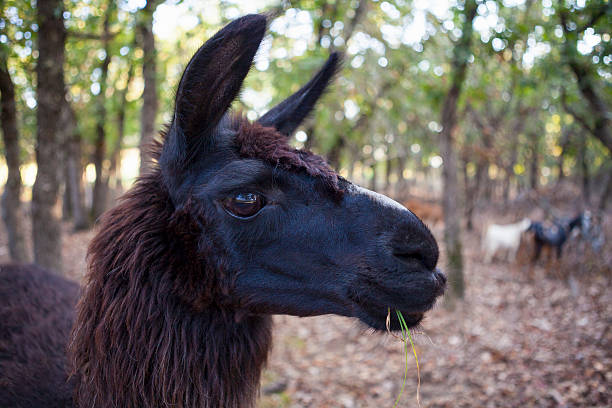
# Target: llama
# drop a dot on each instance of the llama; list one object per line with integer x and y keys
{"x": 36, "y": 315}
{"x": 229, "y": 226}
{"x": 506, "y": 237}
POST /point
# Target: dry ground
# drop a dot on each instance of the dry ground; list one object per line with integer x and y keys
{"x": 513, "y": 342}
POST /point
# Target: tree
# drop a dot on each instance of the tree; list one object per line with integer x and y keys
{"x": 100, "y": 190}
{"x": 450, "y": 199}
{"x": 46, "y": 228}
{"x": 148, "y": 113}
{"x": 11, "y": 203}
{"x": 586, "y": 77}
{"x": 120, "y": 120}
{"x": 73, "y": 198}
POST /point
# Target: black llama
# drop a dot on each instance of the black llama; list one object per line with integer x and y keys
{"x": 230, "y": 226}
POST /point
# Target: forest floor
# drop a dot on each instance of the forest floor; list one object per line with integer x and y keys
{"x": 514, "y": 341}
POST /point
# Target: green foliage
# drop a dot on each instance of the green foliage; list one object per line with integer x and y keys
{"x": 387, "y": 97}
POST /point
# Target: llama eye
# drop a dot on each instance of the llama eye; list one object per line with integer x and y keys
{"x": 244, "y": 205}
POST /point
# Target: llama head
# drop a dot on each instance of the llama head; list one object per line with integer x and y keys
{"x": 277, "y": 226}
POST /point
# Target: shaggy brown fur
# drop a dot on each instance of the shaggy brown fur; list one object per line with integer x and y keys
{"x": 266, "y": 143}
{"x": 150, "y": 331}
{"x": 36, "y": 315}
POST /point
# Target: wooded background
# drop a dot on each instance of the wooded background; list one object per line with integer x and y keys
{"x": 463, "y": 102}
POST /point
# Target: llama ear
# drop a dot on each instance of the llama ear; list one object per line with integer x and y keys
{"x": 289, "y": 114}
{"x": 214, "y": 76}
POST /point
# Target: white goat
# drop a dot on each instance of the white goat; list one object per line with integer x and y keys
{"x": 506, "y": 237}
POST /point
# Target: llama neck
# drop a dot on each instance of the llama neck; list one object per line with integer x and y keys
{"x": 140, "y": 339}
{"x": 172, "y": 360}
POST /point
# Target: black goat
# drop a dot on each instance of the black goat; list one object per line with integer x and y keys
{"x": 553, "y": 237}
{"x": 556, "y": 236}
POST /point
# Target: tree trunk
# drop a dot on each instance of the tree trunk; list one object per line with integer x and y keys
{"x": 310, "y": 130}
{"x": 565, "y": 140}
{"x": 11, "y": 203}
{"x": 507, "y": 182}
{"x": 46, "y": 229}
{"x": 534, "y": 165}
{"x": 149, "y": 94}
{"x": 450, "y": 199}
{"x": 560, "y": 165}
{"x": 469, "y": 195}
{"x": 401, "y": 166}
{"x": 601, "y": 127}
{"x": 74, "y": 171}
{"x": 487, "y": 141}
{"x": 388, "y": 172}
{"x": 510, "y": 169}
{"x": 374, "y": 183}
{"x": 350, "y": 170}
{"x": 333, "y": 157}
{"x": 584, "y": 167}
{"x": 604, "y": 201}
{"x": 114, "y": 168}
{"x": 66, "y": 203}
{"x": 100, "y": 189}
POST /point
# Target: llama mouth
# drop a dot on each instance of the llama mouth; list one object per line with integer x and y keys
{"x": 413, "y": 300}
{"x": 376, "y": 317}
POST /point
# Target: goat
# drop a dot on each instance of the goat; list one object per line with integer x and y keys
{"x": 553, "y": 237}
{"x": 556, "y": 236}
{"x": 506, "y": 237}
{"x": 229, "y": 226}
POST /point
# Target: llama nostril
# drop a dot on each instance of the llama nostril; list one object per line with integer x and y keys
{"x": 412, "y": 242}
{"x": 411, "y": 249}
{"x": 423, "y": 254}
{"x": 410, "y": 256}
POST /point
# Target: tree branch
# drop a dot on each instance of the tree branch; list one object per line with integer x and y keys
{"x": 91, "y": 36}
{"x": 600, "y": 12}
{"x": 579, "y": 118}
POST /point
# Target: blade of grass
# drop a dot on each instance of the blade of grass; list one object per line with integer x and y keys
{"x": 403, "y": 323}
{"x": 405, "y": 334}
{"x": 403, "y": 339}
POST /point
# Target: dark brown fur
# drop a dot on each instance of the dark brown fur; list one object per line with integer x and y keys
{"x": 36, "y": 315}
{"x": 149, "y": 332}
{"x": 266, "y": 143}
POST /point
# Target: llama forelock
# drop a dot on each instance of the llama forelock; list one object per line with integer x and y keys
{"x": 265, "y": 143}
